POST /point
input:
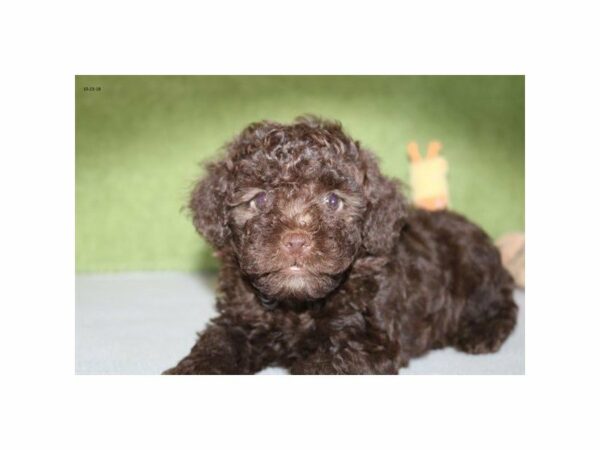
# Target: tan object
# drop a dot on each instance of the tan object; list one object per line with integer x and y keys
{"x": 512, "y": 250}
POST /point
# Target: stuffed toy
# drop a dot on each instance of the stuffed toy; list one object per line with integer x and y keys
{"x": 428, "y": 177}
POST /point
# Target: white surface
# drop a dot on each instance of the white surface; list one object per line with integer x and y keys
{"x": 144, "y": 323}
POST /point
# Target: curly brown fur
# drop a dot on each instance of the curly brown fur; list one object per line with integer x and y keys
{"x": 326, "y": 269}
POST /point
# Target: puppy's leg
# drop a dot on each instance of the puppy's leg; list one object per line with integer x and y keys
{"x": 217, "y": 351}
{"x": 487, "y": 320}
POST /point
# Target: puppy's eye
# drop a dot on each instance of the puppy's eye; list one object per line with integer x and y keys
{"x": 259, "y": 201}
{"x": 333, "y": 201}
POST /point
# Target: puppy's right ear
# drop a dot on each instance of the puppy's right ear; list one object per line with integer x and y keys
{"x": 208, "y": 203}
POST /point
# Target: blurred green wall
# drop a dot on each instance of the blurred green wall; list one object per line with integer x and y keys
{"x": 139, "y": 140}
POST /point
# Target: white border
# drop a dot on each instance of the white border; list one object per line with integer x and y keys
{"x": 45, "y": 44}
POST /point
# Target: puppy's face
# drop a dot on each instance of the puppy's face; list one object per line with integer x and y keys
{"x": 296, "y": 237}
{"x": 294, "y": 204}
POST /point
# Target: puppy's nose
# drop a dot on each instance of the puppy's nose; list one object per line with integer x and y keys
{"x": 296, "y": 242}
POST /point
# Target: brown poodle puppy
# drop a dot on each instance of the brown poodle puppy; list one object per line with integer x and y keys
{"x": 325, "y": 267}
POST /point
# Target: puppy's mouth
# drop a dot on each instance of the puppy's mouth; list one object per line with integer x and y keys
{"x": 295, "y": 269}
{"x": 295, "y": 281}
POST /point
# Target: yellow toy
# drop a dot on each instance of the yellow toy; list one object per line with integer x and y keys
{"x": 429, "y": 177}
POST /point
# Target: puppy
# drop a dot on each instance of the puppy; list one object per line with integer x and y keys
{"x": 325, "y": 267}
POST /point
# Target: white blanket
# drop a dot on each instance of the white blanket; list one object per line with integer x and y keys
{"x": 144, "y": 323}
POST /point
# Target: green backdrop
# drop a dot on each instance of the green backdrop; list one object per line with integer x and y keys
{"x": 139, "y": 140}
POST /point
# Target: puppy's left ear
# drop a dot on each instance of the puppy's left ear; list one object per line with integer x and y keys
{"x": 208, "y": 204}
{"x": 386, "y": 207}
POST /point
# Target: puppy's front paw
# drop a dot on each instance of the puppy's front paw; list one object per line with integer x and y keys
{"x": 173, "y": 371}
{"x": 189, "y": 366}
{"x": 181, "y": 370}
